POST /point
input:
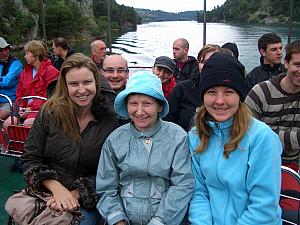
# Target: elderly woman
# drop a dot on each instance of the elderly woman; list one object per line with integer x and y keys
{"x": 63, "y": 148}
{"x": 236, "y": 160}
{"x": 144, "y": 174}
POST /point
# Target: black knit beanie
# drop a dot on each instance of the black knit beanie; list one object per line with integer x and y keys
{"x": 223, "y": 70}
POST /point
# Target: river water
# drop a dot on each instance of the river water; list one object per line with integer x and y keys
{"x": 151, "y": 40}
{"x": 155, "y": 39}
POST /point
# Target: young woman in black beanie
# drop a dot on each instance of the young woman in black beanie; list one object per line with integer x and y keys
{"x": 236, "y": 158}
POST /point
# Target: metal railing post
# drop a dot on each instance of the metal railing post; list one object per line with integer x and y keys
{"x": 204, "y": 23}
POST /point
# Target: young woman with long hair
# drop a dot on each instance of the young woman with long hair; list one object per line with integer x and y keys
{"x": 63, "y": 148}
{"x": 236, "y": 158}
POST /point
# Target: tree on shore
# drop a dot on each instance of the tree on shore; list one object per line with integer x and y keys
{"x": 253, "y": 11}
{"x": 23, "y": 20}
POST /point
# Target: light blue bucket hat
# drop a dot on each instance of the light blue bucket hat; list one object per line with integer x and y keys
{"x": 142, "y": 82}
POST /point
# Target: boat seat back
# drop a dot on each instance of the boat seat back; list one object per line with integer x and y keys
{"x": 290, "y": 196}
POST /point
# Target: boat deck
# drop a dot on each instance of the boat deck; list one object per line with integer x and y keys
{"x": 9, "y": 182}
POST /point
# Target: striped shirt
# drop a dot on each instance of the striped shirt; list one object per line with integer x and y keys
{"x": 281, "y": 111}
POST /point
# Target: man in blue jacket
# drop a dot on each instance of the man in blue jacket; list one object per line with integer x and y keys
{"x": 10, "y": 68}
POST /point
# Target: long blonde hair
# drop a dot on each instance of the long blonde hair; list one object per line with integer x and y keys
{"x": 241, "y": 122}
{"x": 60, "y": 106}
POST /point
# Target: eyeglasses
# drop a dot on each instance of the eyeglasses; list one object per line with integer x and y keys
{"x": 113, "y": 70}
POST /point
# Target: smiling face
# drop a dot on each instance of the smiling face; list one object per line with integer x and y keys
{"x": 143, "y": 110}
{"x": 221, "y": 102}
{"x": 292, "y": 79}
{"x": 163, "y": 74}
{"x": 115, "y": 70}
{"x": 81, "y": 86}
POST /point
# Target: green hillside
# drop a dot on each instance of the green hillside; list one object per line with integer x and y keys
{"x": 148, "y": 15}
{"x": 254, "y": 11}
{"x": 22, "y": 20}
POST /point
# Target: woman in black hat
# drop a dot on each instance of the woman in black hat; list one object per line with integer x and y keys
{"x": 236, "y": 161}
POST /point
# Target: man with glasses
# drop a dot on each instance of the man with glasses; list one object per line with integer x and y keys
{"x": 10, "y": 68}
{"x": 115, "y": 70}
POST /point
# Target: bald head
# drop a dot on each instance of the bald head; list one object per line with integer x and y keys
{"x": 115, "y": 70}
{"x": 115, "y": 59}
{"x": 98, "y": 51}
{"x": 180, "y": 49}
{"x": 183, "y": 42}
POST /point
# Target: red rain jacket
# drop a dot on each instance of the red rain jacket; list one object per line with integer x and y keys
{"x": 37, "y": 86}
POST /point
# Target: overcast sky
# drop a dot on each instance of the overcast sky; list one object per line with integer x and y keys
{"x": 171, "y": 5}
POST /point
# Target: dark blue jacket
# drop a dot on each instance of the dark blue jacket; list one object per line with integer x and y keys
{"x": 183, "y": 101}
{"x": 262, "y": 73}
{"x": 59, "y": 61}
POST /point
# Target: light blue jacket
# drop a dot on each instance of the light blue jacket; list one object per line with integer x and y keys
{"x": 145, "y": 177}
{"x": 9, "y": 82}
{"x": 243, "y": 189}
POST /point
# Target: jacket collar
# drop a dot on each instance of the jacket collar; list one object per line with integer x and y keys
{"x": 44, "y": 64}
{"x": 148, "y": 133}
{"x": 224, "y": 126}
{"x": 269, "y": 68}
{"x": 70, "y": 52}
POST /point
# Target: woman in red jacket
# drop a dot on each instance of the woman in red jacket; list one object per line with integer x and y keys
{"x": 33, "y": 81}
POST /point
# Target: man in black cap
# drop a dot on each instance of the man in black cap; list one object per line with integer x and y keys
{"x": 10, "y": 68}
{"x": 164, "y": 67}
